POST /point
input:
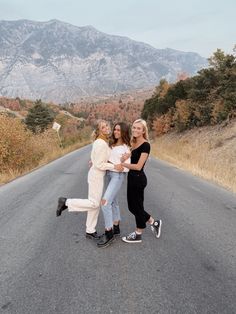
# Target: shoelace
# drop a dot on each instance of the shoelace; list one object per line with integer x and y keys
{"x": 132, "y": 235}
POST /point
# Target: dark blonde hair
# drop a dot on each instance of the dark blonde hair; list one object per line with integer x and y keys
{"x": 97, "y": 129}
{"x": 125, "y": 134}
{"x": 145, "y": 129}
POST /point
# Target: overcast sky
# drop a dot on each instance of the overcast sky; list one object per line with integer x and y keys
{"x": 188, "y": 25}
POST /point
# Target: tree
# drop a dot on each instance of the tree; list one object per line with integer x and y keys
{"x": 161, "y": 89}
{"x": 39, "y": 117}
{"x": 221, "y": 61}
{"x": 225, "y": 66}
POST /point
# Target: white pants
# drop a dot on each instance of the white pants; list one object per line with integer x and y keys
{"x": 92, "y": 203}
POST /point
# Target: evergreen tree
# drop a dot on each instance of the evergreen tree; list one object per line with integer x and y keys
{"x": 39, "y": 117}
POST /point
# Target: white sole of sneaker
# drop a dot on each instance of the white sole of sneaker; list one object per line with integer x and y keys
{"x": 157, "y": 235}
{"x": 130, "y": 241}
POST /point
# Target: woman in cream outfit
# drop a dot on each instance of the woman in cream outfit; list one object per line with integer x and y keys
{"x": 99, "y": 157}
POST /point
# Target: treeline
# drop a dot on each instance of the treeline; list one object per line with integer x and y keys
{"x": 124, "y": 108}
{"x": 205, "y": 99}
{"x": 110, "y": 110}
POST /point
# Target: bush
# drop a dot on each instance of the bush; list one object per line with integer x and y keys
{"x": 19, "y": 148}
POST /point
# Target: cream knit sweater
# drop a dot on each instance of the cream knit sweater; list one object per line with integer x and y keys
{"x": 100, "y": 155}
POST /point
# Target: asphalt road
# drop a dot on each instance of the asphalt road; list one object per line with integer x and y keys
{"x": 48, "y": 266}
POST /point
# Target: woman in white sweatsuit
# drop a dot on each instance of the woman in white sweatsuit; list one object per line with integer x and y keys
{"x": 99, "y": 157}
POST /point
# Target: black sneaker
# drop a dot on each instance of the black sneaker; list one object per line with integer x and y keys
{"x": 156, "y": 228}
{"x": 116, "y": 230}
{"x": 106, "y": 239}
{"x": 133, "y": 238}
{"x": 61, "y": 205}
{"x": 93, "y": 236}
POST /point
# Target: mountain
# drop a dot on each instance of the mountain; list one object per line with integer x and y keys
{"x": 59, "y": 62}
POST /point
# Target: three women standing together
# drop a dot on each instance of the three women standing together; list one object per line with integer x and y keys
{"x": 114, "y": 159}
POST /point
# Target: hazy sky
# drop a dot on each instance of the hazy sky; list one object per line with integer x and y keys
{"x": 188, "y": 25}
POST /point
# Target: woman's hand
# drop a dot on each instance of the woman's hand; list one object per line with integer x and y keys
{"x": 125, "y": 156}
{"x": 119, "y": 167}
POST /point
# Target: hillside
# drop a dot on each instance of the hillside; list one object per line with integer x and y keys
{"x": 209, "y": 152}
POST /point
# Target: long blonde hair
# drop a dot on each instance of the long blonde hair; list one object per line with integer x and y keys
{"x": 145, "y": 129}
{"x": 97, "y": 129}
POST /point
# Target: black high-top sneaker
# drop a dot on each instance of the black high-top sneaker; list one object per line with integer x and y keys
{"x": 93, "y": 236}
{"x": 106, "y": 239}
{"x": 61, "y": 205}
{"x": 116, "y": 230}
{"x": 156, "y": 228}
{"x": 133, "y": 237}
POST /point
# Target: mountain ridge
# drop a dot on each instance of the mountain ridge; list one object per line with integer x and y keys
{"x": 60, "y": 62}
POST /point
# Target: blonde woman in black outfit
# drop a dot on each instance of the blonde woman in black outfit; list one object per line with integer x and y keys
{"x": 137, "y": 181}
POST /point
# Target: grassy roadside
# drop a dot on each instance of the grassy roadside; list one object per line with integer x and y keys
{"x": 52, "y": 154}
{"x": 208, "y": 152}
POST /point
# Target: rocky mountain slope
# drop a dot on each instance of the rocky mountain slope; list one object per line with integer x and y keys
{"x": 59, "y": 62}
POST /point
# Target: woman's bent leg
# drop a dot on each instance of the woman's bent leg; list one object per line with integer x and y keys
{"x": 81, "y": 205}
{"x": 95, "y": 188}
{"x": 92, "y": 203}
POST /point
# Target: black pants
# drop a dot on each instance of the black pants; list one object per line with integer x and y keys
{"x": 137, "y": 181}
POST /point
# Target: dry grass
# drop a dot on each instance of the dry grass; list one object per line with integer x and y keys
{"x": 21, "y": 151}
{"x": 209, "y": 152}
{"x": 51, "y": 155}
